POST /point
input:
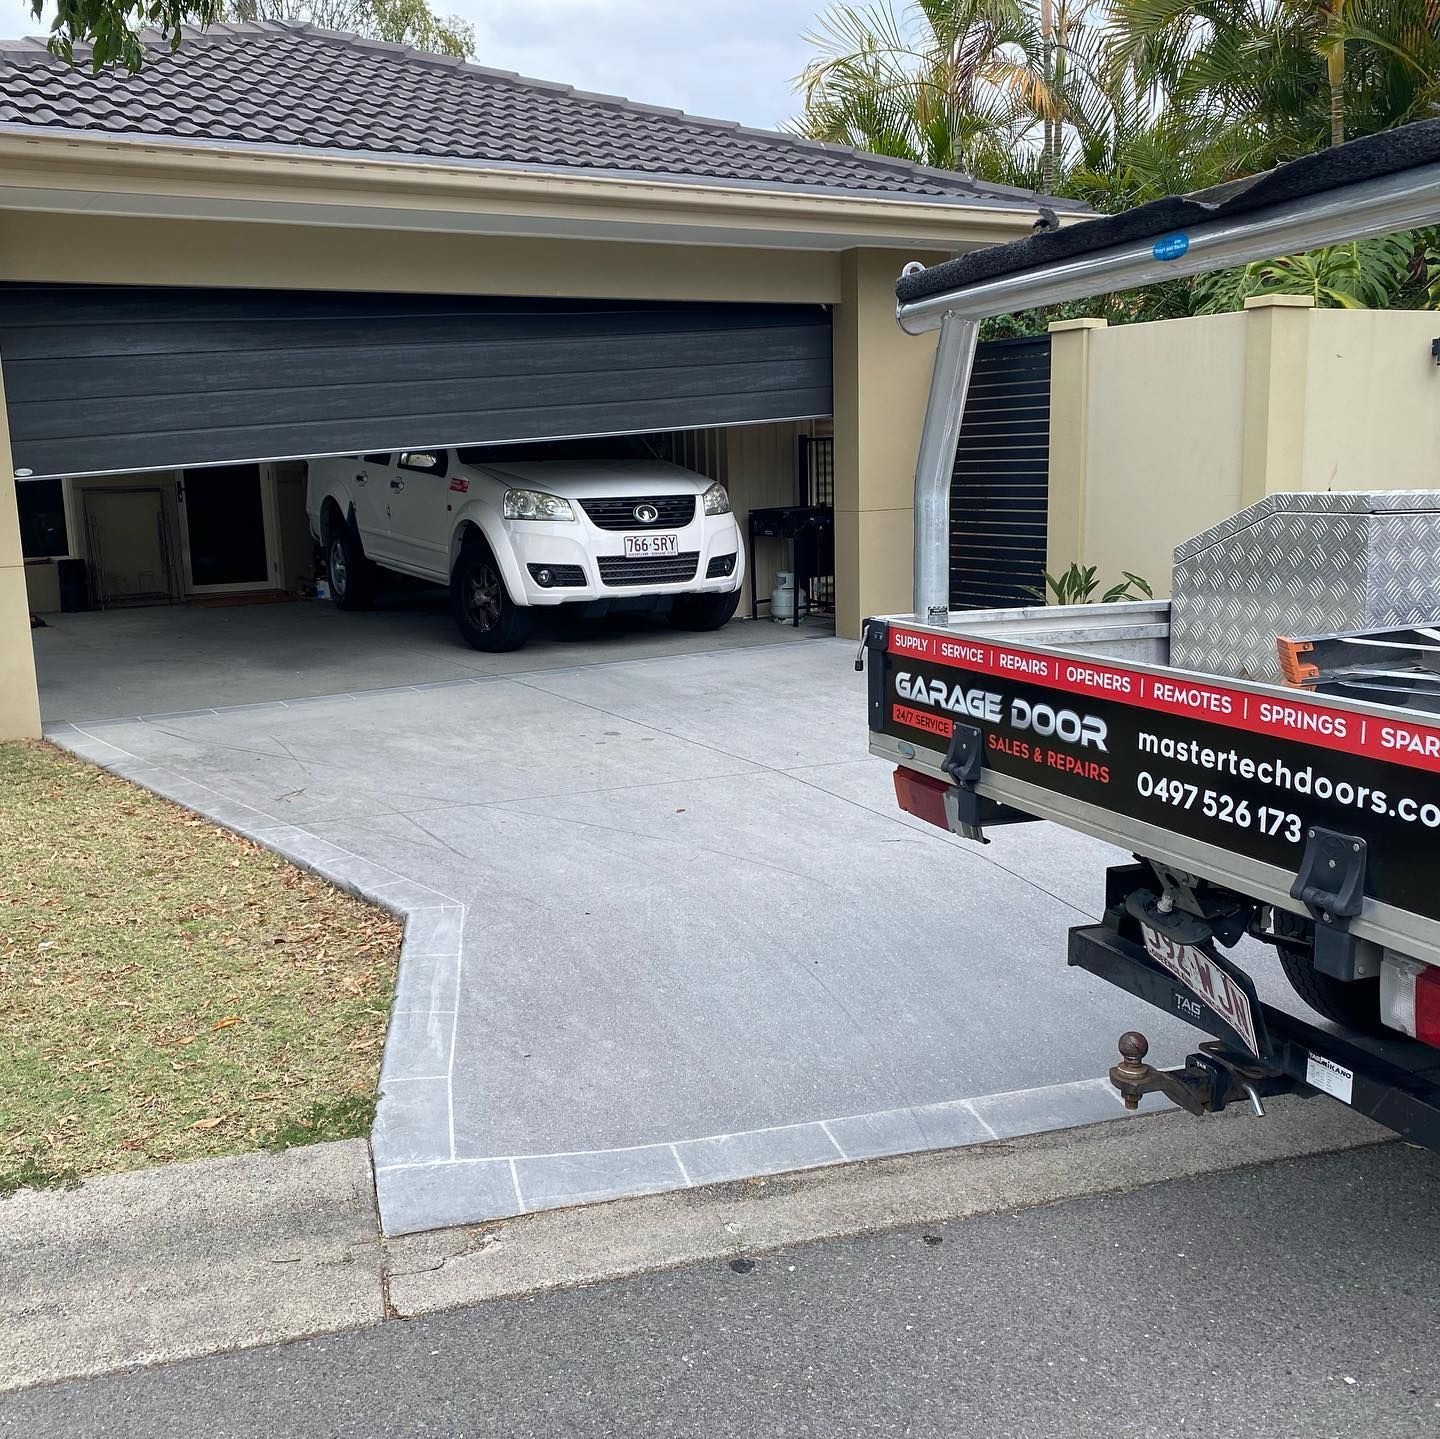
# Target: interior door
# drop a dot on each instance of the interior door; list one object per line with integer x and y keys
{"x": 419, "y": 489}
{"x": 227, "y": 529}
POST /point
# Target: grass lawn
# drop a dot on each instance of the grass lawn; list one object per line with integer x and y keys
{"x": 169, "y": 990}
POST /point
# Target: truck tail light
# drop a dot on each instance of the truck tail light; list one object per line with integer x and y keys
{"x": 1410, "y": 998}
{"x": 922, "y": 796}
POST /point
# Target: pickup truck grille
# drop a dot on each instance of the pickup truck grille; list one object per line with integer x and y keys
{"x": 649, "y": 569}
{"x": 618, "y": 512}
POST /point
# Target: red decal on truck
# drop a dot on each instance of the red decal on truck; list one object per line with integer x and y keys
{"x": 1273, "y": 713}
{"x": 460, "y": 485}
{"x": 918, "y": 719}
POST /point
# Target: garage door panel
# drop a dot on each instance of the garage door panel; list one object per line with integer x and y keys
{"x": 129, "y": 377}
{"x": 67, "y": 326}
{"x": 211, "y": 444}
{"x": 178, "y": 375}
{"x": 442, "y": 402}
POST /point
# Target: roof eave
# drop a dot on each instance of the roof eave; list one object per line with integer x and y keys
{"x": 40, "y": 167}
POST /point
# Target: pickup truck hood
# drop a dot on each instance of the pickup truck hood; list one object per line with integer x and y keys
{"x": 583, "y": 479}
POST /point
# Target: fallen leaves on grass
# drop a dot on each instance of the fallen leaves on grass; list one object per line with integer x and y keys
{"x": 154, "y": 967}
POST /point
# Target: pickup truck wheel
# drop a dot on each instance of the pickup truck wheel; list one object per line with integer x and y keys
{"x": 1353, "y": 1004}
{"x": 485, "y": 615}
{"x": 352, "y": 576}
{"x": 704, "y": 612}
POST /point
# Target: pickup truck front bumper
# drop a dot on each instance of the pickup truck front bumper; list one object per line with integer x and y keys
{"x": 584, "y": 563}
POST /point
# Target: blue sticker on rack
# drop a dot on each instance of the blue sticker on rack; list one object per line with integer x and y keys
{"x": 1170, "y": 247}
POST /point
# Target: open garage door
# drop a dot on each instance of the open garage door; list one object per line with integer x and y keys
{"x": 101, "y": 379}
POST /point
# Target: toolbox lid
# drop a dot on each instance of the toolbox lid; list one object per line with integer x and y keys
{"x": 1334, "y": 502}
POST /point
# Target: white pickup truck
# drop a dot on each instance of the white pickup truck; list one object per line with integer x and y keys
{"x": 509, "y": 537}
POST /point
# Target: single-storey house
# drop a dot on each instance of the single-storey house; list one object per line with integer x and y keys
{"x": 281, "y": 242}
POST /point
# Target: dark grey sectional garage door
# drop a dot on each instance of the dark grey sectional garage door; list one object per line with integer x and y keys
{"x": 105, "y": 378}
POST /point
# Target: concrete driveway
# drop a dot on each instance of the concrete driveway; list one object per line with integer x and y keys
{"x": 665, "y": 925}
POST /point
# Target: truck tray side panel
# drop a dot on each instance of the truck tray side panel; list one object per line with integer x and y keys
{"x": 1244, "y": 770}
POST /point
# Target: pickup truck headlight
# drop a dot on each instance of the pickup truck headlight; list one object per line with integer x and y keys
{"x": 536, "y": 505}
{"x": 716, "y": 500}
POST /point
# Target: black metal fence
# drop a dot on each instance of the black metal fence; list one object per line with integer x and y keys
{"x": 999, "y": 496}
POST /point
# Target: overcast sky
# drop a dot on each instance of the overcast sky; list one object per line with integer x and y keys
{"x": 731, "y": 59}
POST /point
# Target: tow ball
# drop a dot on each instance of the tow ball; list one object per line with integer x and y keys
{"x": 1208, "y": 1081}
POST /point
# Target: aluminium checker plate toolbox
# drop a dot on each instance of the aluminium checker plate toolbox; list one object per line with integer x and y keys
{"x": 1304, "y": 563}
{"x": 1222, "y": 778}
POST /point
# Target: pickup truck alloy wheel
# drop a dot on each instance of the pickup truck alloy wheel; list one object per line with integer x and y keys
{"x": 339, "y": 570}
{"x": 482, "y": 597}
{"x": 352, "y": 577}
{"x": 486, "y": 616}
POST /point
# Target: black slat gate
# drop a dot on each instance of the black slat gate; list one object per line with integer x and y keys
{"x": 1000, "y": 491}
{"x": 104, "y": 378}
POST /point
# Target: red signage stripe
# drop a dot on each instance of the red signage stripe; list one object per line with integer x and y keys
{"x": 1395, "y": 740}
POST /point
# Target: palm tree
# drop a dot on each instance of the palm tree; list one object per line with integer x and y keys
{"x": 1289, "y": 75}
{"x": 961, "y": 84}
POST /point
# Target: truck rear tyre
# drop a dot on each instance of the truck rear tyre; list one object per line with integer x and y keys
{"x": 1353, "y": 1004}
{"x": 352, "y": 576}
{"x": 485, "y": 615}
{"x": 704, "y": 612}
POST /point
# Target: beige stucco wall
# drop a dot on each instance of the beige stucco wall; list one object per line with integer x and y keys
{"x": 19, "y": 698}
{"x": 131, "y": 250}
{"x": 882, "y": 378}
{"x": 1160, "y": 430}
{"x": 1157, "y": 465}
{"x": 1372, "y": 401}
{"x": 758, "y": 465}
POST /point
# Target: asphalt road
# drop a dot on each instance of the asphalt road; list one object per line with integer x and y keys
{"x": 1293, "y": 1300}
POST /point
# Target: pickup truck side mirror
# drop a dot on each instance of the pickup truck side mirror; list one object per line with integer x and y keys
{"x": 420, "y": 460}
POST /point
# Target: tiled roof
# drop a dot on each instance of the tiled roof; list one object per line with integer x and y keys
{"x": 276, "y": 84}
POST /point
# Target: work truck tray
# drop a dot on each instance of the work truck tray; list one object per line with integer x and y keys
{"x": 1074, "y": 715}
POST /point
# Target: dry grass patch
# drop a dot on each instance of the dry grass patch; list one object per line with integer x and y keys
{"x": 169, "y": 990}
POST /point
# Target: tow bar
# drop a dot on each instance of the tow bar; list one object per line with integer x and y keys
{"x": 1399, "y": 1086}
{"x": 1209, "y": 1081}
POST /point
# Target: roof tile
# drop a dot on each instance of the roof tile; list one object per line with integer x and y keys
{"x": 293, "y": 85}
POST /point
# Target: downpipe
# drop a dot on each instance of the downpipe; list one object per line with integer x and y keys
{"x": 935, "y": 465}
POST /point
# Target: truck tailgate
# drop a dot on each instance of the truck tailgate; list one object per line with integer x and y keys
{"x": 1224, "y": 777}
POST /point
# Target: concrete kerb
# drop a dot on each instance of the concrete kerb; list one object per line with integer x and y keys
{"x": 175, "y": 1262}
{"x": 565, "y": 1248}
{"x": 188, "y": 1259}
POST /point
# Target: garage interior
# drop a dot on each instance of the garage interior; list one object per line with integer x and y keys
{"x": 158, "y": 433}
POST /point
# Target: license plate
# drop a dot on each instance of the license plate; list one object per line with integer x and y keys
{"x": 652, "y": 544}
{"x": 1206, "y": 981}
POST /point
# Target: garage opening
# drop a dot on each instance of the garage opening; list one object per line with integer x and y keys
{"x": 161, "y": 433}
{"x": 167, "y": 435}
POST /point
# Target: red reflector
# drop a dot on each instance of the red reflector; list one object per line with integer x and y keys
{"x": 1427, "y": 1006}
{"x": 922, "y": 796}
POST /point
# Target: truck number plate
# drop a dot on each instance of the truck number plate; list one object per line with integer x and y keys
{"x": 1206, "y": 980}
{"x": 644, "y": 545}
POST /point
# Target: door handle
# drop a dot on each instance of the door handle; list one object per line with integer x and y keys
{"x": 360, "y": 479}
{"x": 397, "y": 484}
